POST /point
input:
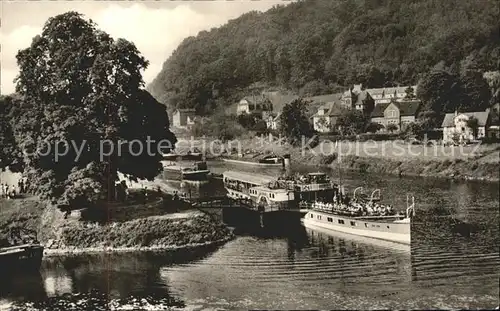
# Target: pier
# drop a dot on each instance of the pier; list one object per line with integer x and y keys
{"x": 245, "y": 213}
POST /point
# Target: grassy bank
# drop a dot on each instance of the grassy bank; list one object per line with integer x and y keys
{"x": 391, "y": 157}
{"x": 150, "y": 233}
{"x": 63, "y": 235}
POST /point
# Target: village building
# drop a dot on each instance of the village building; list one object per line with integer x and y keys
{"x": 255, "y": 105}
{"x": 273, "y": 121}
{"x": 358, "y": 98}
{"x": 388, "y": 94}
{"x": 183, "y": 118}
{"x": 325, "y": 120}
{"x": 399, "y": 113}
{"x": 468, "y": 126}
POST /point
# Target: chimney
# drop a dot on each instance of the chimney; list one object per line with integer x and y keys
{"x": 456, "y": 112}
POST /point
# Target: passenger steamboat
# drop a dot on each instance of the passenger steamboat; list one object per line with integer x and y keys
{"x": 310, "y": 187}
{"x": 258, "y": 190}
{"x": 363, "y": 218}
{"x": 261, "y": 200}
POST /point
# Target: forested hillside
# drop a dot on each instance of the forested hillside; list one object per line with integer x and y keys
{"x": 317, "y": 46}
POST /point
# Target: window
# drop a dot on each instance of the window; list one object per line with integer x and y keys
{"x": 312, "y": 215}
{"x": 353, "y": 223}
{"x": 366, "y": 225}
{"x": 388, "y": 227}
{"x": 329, "y": 219}
{"x": 391, "y": 113}
{"x": 341, "y": 221}
{"x": 463, "y": 129}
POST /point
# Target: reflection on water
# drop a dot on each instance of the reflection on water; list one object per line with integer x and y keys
{"x": 307, "y": 268}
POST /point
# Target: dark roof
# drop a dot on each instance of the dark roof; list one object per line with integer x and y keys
{"x": 481, "y": 116}
{"x": 332, "y": 110}
{"x": 406, "y": 108}
{"x": 256, "y": 99}
{"x": 379, "y": 109}
{"x": 361, "y": 97}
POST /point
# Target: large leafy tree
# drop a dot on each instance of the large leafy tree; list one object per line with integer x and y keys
{"x": 10, "y": 156}
{"x": 440, "y": 91}
{"x": 294, "y": 123}
{"x": 352, "y": 122}
{"x": 82, "y": 87}
{"x": 476, "y": 92}
{"x": 493, "y": 80}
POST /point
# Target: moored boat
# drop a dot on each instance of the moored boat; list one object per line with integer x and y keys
{"x": 260, "y": 200}
{"x": 196, "y": 171}
{"x": 311, "y": 187}
{"x": 258, "y": 190}
{"x": 272, "y": 159}
{"x": 188, "y": 156}
{"x": 23, "y": 255}
{"x": 19, "y": 258}
{"x": 253, "y": 163}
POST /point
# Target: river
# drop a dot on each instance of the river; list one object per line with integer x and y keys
{"x": 305, "y": 269}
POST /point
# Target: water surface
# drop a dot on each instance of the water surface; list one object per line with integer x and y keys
{"x": 304, "y": 269}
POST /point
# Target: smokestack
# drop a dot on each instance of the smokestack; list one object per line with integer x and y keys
{"x": 286, "y": 161}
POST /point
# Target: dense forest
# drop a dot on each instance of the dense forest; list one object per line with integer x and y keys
{"x": 322, "y": 46}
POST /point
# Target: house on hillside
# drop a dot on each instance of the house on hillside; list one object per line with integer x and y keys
{"x": 183, "y": 118}
{"x": 255, "y": 105}
{"x": 388, "y": 94}
{"x": 314, "y": 103}
{"x": 398, "y": 113}
{"x": 325, "y": 119}
{"x": 457, "y": 126}
{"x": 273, "y": 121}
{"x": 358, "y": 98}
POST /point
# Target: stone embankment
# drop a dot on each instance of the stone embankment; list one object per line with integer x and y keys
{"x": 389, "y": 157}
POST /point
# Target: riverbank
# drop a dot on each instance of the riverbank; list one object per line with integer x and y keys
{"x": 63, "y": 235}
{"x": 470, "y": 162}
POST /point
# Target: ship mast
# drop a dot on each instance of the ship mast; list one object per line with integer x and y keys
{"x": 340, "y": 194}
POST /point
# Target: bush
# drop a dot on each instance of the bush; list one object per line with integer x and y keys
{"x": 326, "y": 160}
{"x": 373, "y": 127}
{"x": 151, "y": 231}
{"x": 220, "y": 126}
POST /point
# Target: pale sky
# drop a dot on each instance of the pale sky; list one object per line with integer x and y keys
{"x": 156, "y": 28}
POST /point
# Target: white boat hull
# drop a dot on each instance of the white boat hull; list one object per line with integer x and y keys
{"x": 400, "y": 247}
{"x": 399, "y": 232}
